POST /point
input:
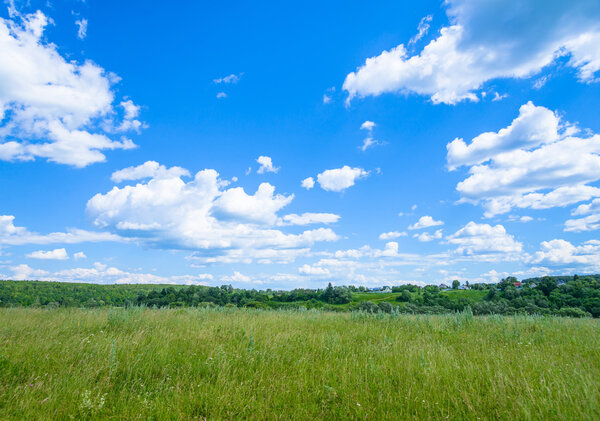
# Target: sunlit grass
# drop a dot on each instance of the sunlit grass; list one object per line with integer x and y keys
{"x": 249, "y": 364}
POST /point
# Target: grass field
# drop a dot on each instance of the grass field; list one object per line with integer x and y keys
{"x": 250, "y": 364}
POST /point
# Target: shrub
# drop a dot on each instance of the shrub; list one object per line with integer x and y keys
{"x": 572, "y": 312}
{"x": 368, "y": 306}
{"x": 385, "y": 307}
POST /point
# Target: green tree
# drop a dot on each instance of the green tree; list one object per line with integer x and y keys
{"x": 455, "y": 284}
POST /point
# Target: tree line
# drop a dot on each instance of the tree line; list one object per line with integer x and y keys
{"x": 573, "y": 296}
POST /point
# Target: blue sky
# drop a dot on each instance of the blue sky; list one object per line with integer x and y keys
{"x": 275, "y": 146}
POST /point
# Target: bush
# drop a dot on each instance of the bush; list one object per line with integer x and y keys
{"x": 368, "y": 306}
{"x": 572, "y": 312}
{"x": 385, "y": 307}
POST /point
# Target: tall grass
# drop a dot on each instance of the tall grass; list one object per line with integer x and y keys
{"x": 249, "y": 364}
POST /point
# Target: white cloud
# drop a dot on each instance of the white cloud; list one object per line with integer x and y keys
{"x": 367, "y": 125}
{"x": 422, "y": 29}
{"x": 266, "y": 165}
{"x": 425, "y": 237}
{"x": 232, "y": 78}
{"x": 340, "y": 178}
{"x": 534, "y": 126}
{"x": 79, "y": 255}
{"x": 314, "y": 271}
{"x": 484, "y": 239}
{"x": 590, "y": 222}
{"x": 391, "y": 235}
{"x": 425, "y": 222}
{"x": 103, "y": 274}
{"x": 369, "y": 140}
{"x": 56, "y": 254}
{"x": 308, "y": 183}
{"x": 328, "y": 95}
{"x": 263, "y": 256}
{"x": 308, "y": 218}
{"x": 50, "y": 107}
{"x": 561, "y": 252}
{"x": 14, "y": 235}
{"x": 498, "y": 97}
{"x": 24, "y": 272}
{"x": 81, "y": 28}
{"x": 200, "y": 214}
{"x": 536, "y": 162}
{"x": 131, "y": 112}
{"x": 149, "y": 169}
{"x": 486, "y": 41}
{"x": 261, "y": 207}
{"x": 221, "y": 95}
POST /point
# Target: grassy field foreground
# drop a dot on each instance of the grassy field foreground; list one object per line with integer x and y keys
{"x": 231, "y": 364}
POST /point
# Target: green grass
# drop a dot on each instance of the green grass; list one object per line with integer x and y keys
{"x": 248, "y": 364}
{"x": 375, "y": 297}
{"x": 470, "y": 294}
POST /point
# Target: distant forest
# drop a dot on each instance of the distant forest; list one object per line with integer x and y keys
{"x": 575, "y": 296}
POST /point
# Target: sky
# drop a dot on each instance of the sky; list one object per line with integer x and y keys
{"x": 267, "y": 145}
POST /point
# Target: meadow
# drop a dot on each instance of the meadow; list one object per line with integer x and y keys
{"x": 240, "y": 363}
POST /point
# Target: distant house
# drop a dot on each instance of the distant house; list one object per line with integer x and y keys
{"x": 381, "y": 290}
{"x": 463, "y": 287}
{"x": 532, "y": 285}
{"x": 517, "y": 284}
{"x": 443, "y": 286}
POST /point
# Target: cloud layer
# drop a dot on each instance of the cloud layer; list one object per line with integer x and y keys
{"x": 538, "y": 162}
{"x": 202, "y": 214}
{"x": 486, "y": 41}
{"x": 53, "y": 108}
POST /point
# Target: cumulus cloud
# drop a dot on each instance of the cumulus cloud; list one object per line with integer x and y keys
{"x": 308, "y": 183}
{"x": 308, "y": 218}
{"x": 340, "y": 179}
{"x": 103, "y": 274}
{"x": 391, "y": 235}
{"x": 51, "y": 107}
{"x": 201, "y": 214}
{"x": 79, "y": 255}
{"x": 425, "y": 236}
{"x": 484, "y": 239}
{"x": 486, "y": 41}
{"x": 314, "y": 271}
{"x": 23, "y": 272}
{"x": 538, "y": 162}
{"x": 534, "y": 126}
{"x": 14, "y": 235}
{"x": 56, "y": 254}
{"x": 266, "y": 165}
{"x": 561, "y": 252}
{"x": 149, "y": 169}
{"x": 425, "y": 222}
{"x": 367, "y": 125}
{"x": 590, "y": 222}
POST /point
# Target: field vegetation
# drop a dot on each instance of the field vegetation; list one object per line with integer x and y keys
{"x": 563, "y": 296}
{"x": 242, "y": 363}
